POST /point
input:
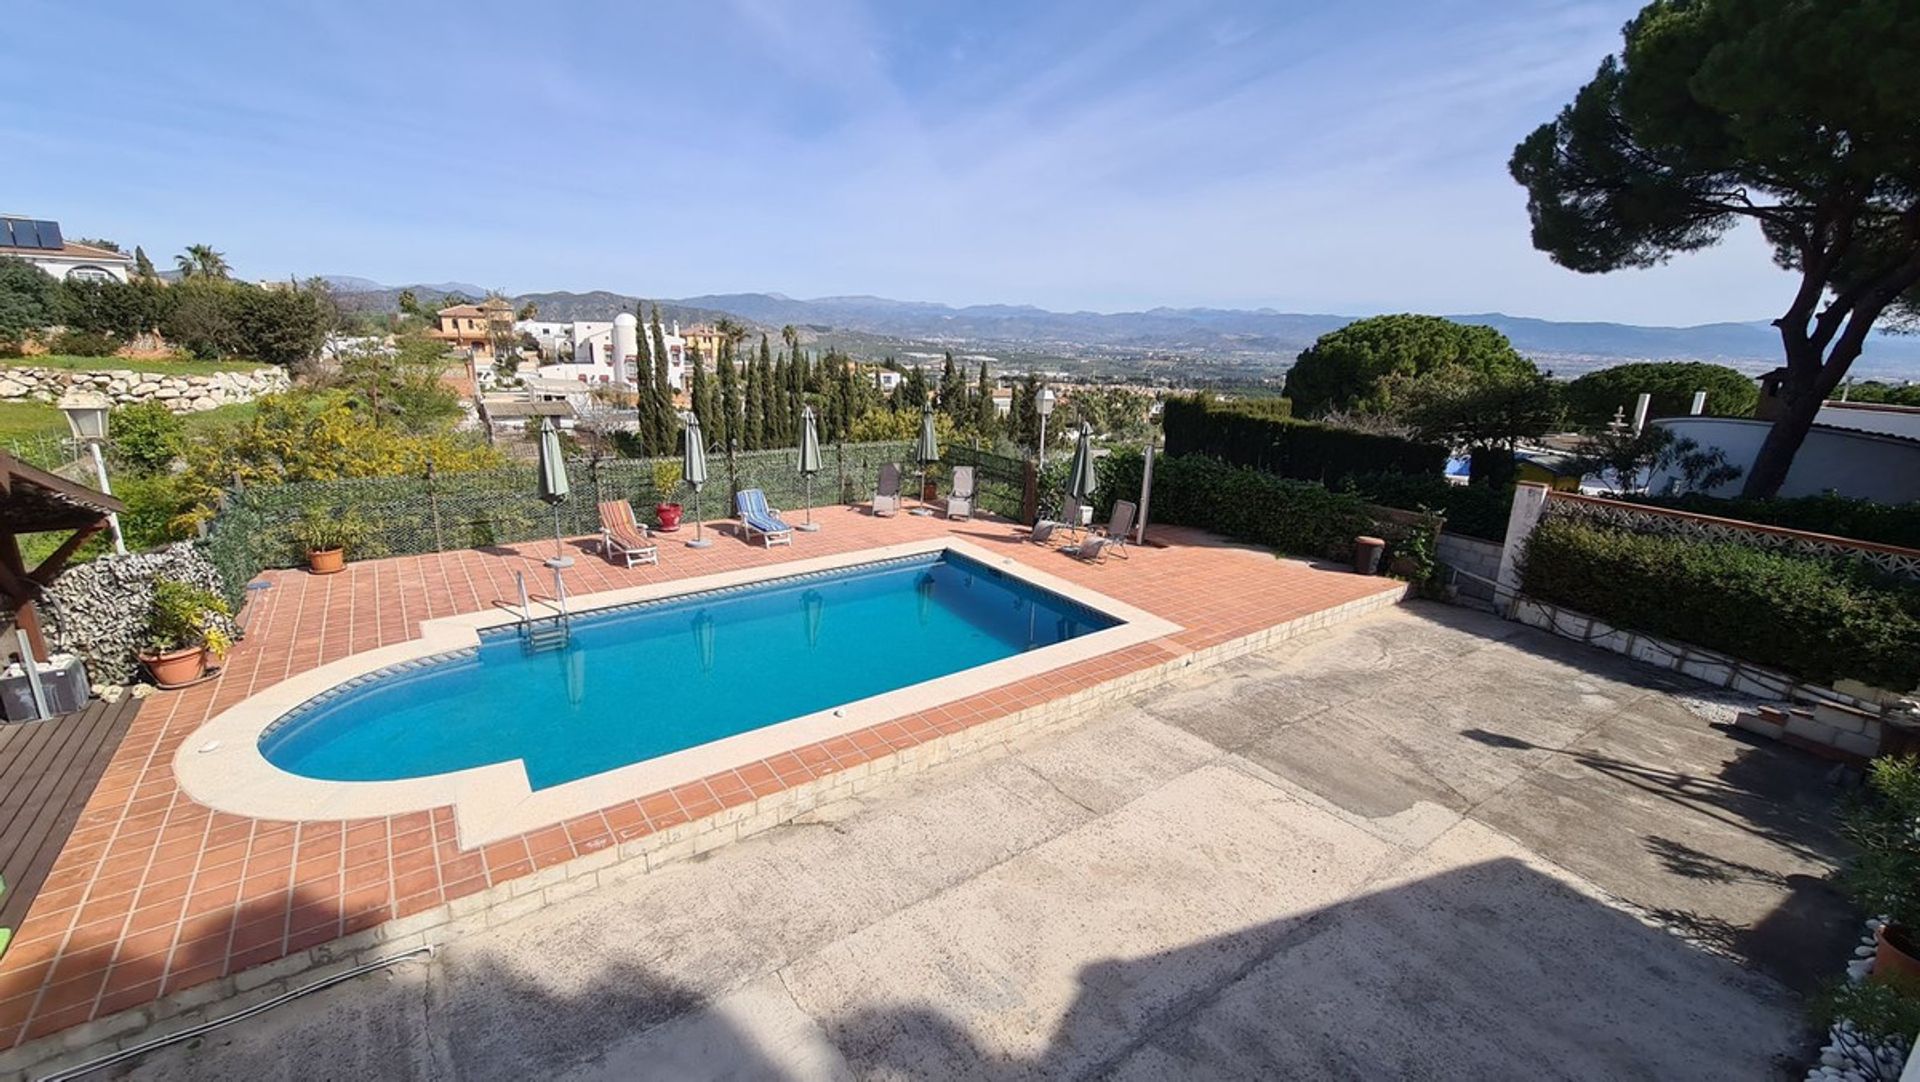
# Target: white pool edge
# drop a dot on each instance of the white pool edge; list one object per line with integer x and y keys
{"x": 220, "y": 763}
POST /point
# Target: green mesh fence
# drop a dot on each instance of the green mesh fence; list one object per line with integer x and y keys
{"x": 408, "y": 515}
{"x": 999, "y": 480}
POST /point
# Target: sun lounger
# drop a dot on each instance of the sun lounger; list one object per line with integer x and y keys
{"x": 886, "y": 497}
{"x": 1109, "y": 538}
{"x": 757, "y": 518}
{"x": 960, "y": 500}
{"x": 621, "y": 534}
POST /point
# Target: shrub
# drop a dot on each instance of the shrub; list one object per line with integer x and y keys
{"x": 146, "y": 436}
{"x": 1842, "y": 516}
{"x": 1818, "y": 620}
{"x": 1473, "y": 510}
{"x": 78, "y": 343}
{"x": 184, "y": 615}
{"x": 1246, "y": 434}
{"x": 1298, "y": 517}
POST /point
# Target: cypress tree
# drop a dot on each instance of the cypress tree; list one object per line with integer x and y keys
{"x": 699, "y": 394}
{"x": 985, "y": 416}
{"x": 779, "y": 404}
{"x": 769, "y": 396}
{"x": 668, "y": 423}
{"x": 953, "y": 392}
{"x": 142, "y": 266}
{"x": 727, "y": 432}
{"x": 754, "y": 430}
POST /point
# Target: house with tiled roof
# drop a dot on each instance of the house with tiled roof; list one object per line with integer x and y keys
{"x": 470, "y": 328}
{"x": 39, "y": 242}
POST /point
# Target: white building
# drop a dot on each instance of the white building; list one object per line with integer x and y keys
{"x": 1850, "y": 461}
{"x": 886, "y": 379}
{"x": 38, "y": 241}
{"x": 605, "y": 352}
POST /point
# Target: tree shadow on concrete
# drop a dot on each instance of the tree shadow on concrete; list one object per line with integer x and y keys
{"x": 1488, "y": 971}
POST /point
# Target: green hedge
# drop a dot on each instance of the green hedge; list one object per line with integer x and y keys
{"x": 1861, "y": 520}
{"x": 1254, "y": 433}
{"x": 1298, "y": 517}
{"x": 1818, "y": 620}
{"x": 1473, "y": 510}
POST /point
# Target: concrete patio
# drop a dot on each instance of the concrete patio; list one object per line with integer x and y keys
{"x": 1424, "y": 844}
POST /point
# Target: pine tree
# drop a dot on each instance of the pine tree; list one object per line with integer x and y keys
{"x": 985, "y": 416}
{"x": 727, "y": 433}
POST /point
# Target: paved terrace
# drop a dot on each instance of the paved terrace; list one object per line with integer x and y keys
{"x": 155, "y": 895}
{"x": 1424, "y": 844}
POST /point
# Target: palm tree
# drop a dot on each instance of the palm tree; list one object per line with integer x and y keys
{"x": 201, "y": 261}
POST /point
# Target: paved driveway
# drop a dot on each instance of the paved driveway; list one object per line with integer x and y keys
{"x": 1428, "y": 844}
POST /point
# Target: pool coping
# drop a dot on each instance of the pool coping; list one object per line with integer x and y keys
{"x": 220, "y": 763}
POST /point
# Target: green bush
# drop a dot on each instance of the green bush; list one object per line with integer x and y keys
{"x": 1818, "y": 620}
{"x": 1297, "y": 517}
{"x": 76, "y": 343}
{"x": 1254, "y": 434}
{"x": 1841, "y": 516}
{"x": 1472, "y": 510}
{"x": 146, "y": 436}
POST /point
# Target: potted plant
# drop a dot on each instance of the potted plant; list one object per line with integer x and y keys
{"x": 1884, "y": 874}
{"x": 666, "y": 479}
{"x": 185, "y": 625}
{"x": 325, "y": 534}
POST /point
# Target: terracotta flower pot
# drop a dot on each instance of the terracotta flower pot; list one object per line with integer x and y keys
{"x": 176, "y": 667}
{"x": 669, "y": 515}
{"x": 327, "y": 561}
{"x": 1893, "y": 956}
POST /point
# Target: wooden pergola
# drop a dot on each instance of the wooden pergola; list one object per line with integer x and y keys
{"x": 35, "y": 501}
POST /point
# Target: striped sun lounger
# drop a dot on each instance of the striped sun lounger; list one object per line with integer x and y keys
{"x": 757, "y": 518}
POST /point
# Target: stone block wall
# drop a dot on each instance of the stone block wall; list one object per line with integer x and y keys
{"x": 181, "y": 394}
{"x": 98, "y": 610}
{"x": 1478, "y": 560}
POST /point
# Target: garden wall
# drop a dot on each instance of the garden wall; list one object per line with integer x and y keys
{"x": 181, "y": 394}
{"x": 98, "y": 609}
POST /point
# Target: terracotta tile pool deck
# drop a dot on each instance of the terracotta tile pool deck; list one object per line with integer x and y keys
{"x": 154, "y": 893}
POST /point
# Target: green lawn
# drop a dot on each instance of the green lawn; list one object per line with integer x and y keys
{"x": 165, "y": 366}
{"x": 29, "y": 420}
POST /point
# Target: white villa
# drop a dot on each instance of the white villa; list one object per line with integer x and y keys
{"x": 38, "y": 241}
{"x": 603, "y": 351}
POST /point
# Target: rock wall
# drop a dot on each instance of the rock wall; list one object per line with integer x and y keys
{"x": 98, "y": 610}
{"x": 181, "y": 394}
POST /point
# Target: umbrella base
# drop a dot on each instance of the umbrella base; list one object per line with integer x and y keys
{"x": 559, "y": 562}
{"x": 923, "y": 512}
{"x": 808, "y": 527}
{"x": 700, "y": 543}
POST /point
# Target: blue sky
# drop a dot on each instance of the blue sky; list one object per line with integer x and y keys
{"x": 1306, "y": 156}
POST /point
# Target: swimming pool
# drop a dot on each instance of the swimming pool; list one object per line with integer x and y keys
{"x": 645, "y": 680}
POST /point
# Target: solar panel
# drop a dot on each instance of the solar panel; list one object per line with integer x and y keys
{"x": 25, "y": 233}
{"x": 50, "y": 235}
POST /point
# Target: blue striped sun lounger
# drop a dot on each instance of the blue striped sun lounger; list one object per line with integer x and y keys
{"x": 757, "y": 518}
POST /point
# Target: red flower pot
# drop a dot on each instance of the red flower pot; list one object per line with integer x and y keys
{"x": 327, "y": 561}
{"x": 669, "y": 515}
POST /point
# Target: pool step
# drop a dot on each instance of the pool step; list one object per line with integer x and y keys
{"x": 544, "y": 637}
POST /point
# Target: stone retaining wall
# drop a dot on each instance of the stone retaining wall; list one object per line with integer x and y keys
{"x": 1479, "y": 560}
{"x": 98, "y": 609}
{"x": 181, "y": 394}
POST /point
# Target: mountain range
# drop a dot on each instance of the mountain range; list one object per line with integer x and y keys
{"x": 1246, "y": 339}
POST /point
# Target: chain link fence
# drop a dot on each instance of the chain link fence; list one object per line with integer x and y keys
{"x": 437, "y": 513}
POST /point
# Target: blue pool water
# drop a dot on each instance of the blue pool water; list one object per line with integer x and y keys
{"x": 641, "y": 681}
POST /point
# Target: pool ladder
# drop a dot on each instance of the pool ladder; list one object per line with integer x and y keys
{"x": 548, "y": 633}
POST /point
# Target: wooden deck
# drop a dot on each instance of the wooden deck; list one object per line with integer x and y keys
{"x": 47, "y": 771}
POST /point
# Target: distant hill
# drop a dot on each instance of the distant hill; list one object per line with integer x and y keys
{"x": 1251, "y": 340}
